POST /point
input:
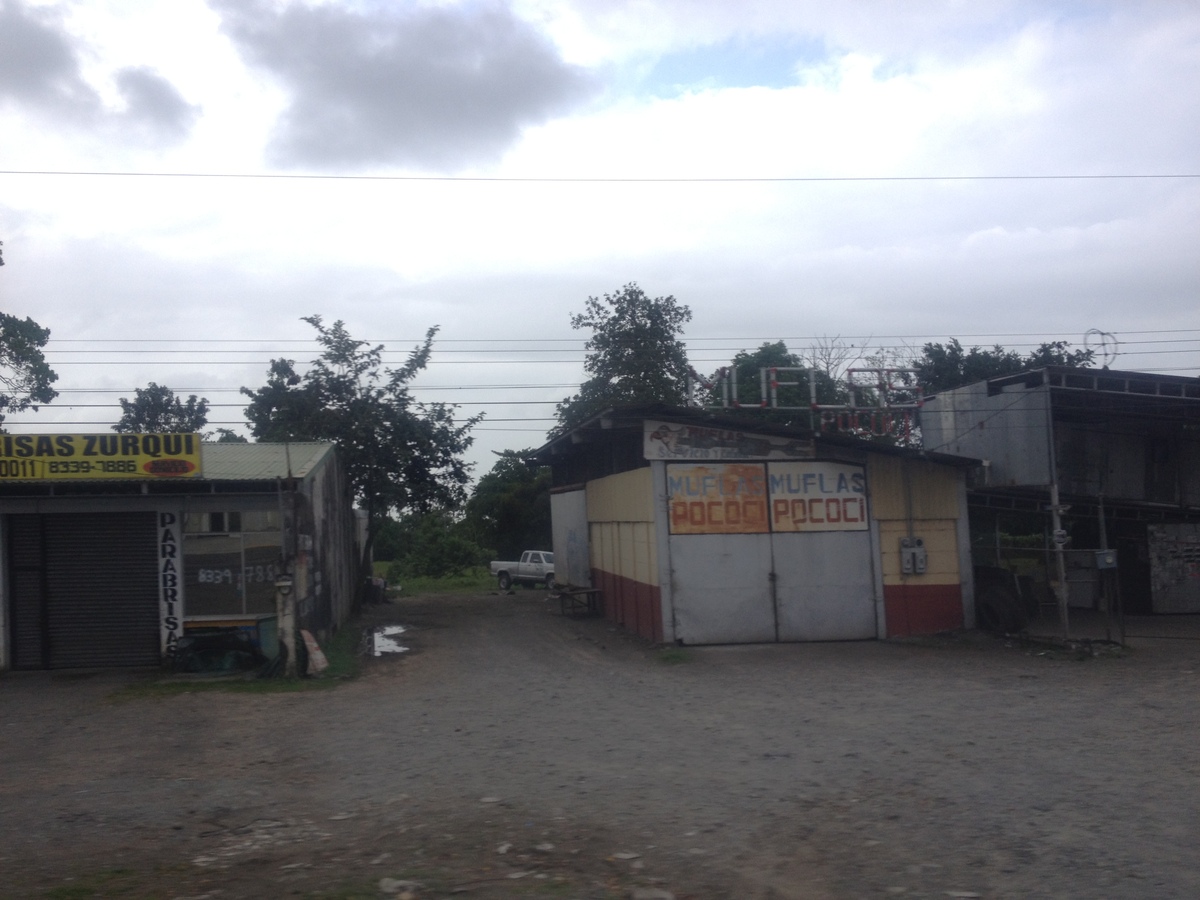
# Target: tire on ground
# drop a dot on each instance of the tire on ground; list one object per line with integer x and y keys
{"x": 999, "y": 610}
{"x": 504, "y": 580}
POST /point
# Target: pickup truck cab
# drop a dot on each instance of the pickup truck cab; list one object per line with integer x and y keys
{"x": 534, "y": 567}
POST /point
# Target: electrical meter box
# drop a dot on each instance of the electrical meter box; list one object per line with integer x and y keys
{"x": 912, "y": 556}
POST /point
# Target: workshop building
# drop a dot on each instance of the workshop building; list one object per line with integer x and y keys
{"x": 1090, "y": 481}
{"x": 114, "y": 545}
{"x": 706, "y": 529}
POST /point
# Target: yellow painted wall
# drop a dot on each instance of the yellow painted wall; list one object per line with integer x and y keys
{"x": 621, "y": 525}
{"x": 941, "y": 551}
{"x": 934, "y": 490}
{"x": 628, "y": 497}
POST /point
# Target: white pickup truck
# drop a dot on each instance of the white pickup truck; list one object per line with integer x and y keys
{"x": 535, "y": 567}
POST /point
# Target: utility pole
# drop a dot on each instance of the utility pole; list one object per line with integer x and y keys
{"x": 1060, "y": 540}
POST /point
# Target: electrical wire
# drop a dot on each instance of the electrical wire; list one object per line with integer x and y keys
{"x": 546, "y": 179}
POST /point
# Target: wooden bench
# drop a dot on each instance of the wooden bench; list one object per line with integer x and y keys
{"x": 580, "y": 601}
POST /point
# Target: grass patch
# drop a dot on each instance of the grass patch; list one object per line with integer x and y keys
{"x": 109, "y": 883}
{"x": 474, "y": 581}
{"x": 342, "y": 651}
{"x": 673, "y": 656}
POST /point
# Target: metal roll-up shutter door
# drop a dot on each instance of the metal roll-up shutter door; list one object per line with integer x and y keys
{"x": 26, "y": 609}
{"x": 101, "y": 590}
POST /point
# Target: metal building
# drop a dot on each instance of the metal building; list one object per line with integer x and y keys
{"x": 704, "y": 529}
{"x": 1115, "y": 454}
{"x": 113, "y": 545}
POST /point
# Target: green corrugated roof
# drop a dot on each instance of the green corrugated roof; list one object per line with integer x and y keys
{"x": 261, "y": 462}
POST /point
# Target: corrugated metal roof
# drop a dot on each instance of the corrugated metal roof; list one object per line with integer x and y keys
{"x": 260, "y": 462}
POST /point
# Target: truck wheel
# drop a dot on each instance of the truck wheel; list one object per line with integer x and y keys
{"x": 549, "y": 582}
{"x": 504, "y": 580}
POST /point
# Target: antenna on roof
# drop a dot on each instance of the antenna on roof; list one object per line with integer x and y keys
{"x": 1103, "y": 344}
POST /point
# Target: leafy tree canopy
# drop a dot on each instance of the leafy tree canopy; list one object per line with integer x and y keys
{"x": 941, "y": 367}
{"x": 399, "y": 454}
{"x": 509, "y": 510}
{"x": 433, "y": 544}
{"x": 635, "y": 354}
{"x": 157, "y": 409}
{"x": 25, "y": 378}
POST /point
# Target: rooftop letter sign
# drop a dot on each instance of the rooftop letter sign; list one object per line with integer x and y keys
{"x": 98, "y": 457}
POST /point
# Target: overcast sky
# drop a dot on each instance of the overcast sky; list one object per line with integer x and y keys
{"x": 195, "y": 277}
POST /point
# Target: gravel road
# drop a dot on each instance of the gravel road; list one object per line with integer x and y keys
{"x": 516, "y": 753}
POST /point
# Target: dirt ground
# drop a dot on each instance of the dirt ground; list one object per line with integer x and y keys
{"x": 516, "y": 753}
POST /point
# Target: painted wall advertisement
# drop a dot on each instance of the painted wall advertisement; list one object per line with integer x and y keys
{"x": 727, "y": 498}
{"x": 74, "y": 457}
{"x": 757, "y": 498}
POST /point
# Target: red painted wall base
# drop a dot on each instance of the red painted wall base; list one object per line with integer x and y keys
{"x": 922, "y": 608}
{"x": 633, "y": 605}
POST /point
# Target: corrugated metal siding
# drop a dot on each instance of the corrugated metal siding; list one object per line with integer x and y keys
{"x": 628, "y": 497}
{"x": 1009, "y": 429}
{"x": 933, "y": 600}
{"x": 102, "y": 589}
{"x": 624, "y": 550}
{"x": 84, "y": 590}
{"x": 1092, "y": 461}
{"x": 941, "y": 551}
{"x": 26, "y": 610}
{"x": 572, "y": 560}
{"x": 933, "y": 488}
{"x": 260, "y": 462}
{"x": 332, "y": 563}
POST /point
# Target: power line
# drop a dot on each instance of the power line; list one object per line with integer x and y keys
{"x": 546, "y": 179}
{"x": 310, "y": 342}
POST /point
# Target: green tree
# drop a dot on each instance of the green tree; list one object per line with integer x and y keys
{"x": 157, "y": 409}
{"x": 634, "y": 354}
{"x": 942, "y": 367}
{"x": 25, "y": 377}
{"x": 509, "y": 510}
{"x": 389, "y": 540}
{"x": 229, "y": 436}
{"x": 400, "y": 455}
{"x": 434, "y": 544}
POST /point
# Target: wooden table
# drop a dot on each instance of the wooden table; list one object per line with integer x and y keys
{"x": 581, "y": 601}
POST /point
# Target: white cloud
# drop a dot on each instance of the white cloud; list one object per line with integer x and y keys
{"x": 434, "y": 87}
{"x": 945, "y": 89}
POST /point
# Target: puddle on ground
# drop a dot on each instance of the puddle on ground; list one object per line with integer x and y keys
{"x": 385, "y": 640}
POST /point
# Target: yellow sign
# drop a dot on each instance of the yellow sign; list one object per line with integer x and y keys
{"x": 98, "y": 457}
